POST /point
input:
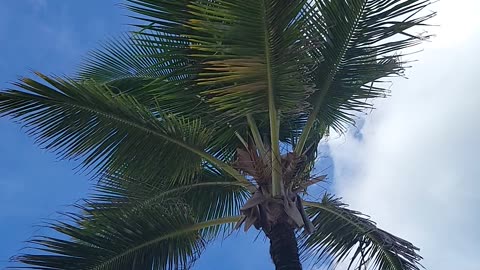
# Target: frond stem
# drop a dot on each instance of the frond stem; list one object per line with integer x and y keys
{"x": 256, "y": 135}
{"x": 277, "y": 183}
{"x": 241, "y": 139}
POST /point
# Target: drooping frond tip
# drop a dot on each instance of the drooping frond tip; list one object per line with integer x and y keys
{"x": 344, "y": 236}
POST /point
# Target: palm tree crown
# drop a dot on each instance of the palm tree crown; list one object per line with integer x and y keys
{"x": 207, "y": 118}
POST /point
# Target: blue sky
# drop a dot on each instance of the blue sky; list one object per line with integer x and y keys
{"x": 413, "y": 165}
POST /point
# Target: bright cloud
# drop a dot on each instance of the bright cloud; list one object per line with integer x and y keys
{"x": 458, "y": 21}
{"x": 415, "y": 170}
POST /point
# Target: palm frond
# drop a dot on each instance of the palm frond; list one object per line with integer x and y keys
{"x": 160, "y": 237}
{"x": 243, "y": 50}
{"x": 155, "y": 76}
{"x": 340, "y": 233}
{"x": 356, "y": 52}
{"x": 210, "y": 196}
{"x": 121, "y": 58}
{"x": 111, "y": 132}
{"x": 139, "y": 68}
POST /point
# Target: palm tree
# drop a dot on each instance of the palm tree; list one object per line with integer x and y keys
{"x": 207, "y": 118}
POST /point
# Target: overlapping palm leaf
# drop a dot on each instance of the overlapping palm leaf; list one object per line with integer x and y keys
{"x": 162, "y": 236}
{"x": 135, "y": 224}
{"x": 111, "y": 132}
{"x": 209, "y": 196}
{"x": 238, "y": 46}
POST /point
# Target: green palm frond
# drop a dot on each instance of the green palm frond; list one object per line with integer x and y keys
{"x": 139, "y": 68}
{"x": 158, "y": 78}
{"x": 160, "y": 237}
{"x": 360, "y": 47}
{"x": 342, "y": 234}
{"x": 249, "y": 55}
{"x": 120, "y": 59}
{"x": 134, "y": 224}
{"x": 111, "y": 132}
{"x": 210, "y": 195}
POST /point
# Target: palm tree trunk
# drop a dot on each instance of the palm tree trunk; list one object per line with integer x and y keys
{"x": 283, "y": 247}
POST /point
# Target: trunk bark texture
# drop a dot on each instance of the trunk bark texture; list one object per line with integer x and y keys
{"x": 283, "y": 247}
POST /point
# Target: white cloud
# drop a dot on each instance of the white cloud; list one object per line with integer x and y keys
{"x": 415, "y": 171}
{"x": 458, "y": 20}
